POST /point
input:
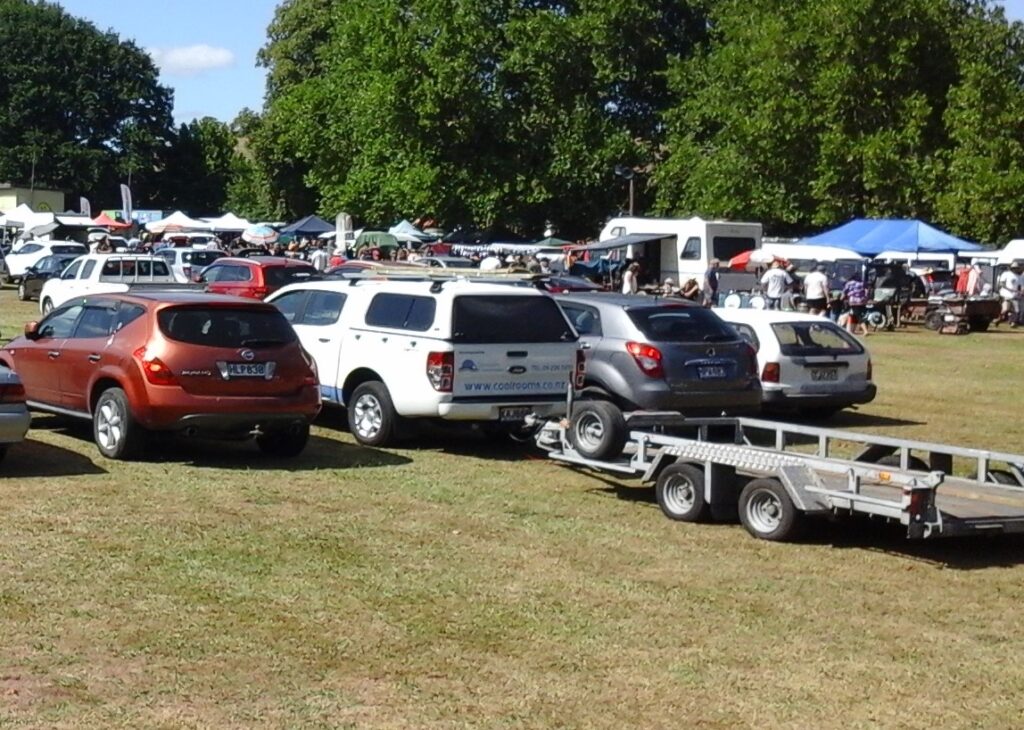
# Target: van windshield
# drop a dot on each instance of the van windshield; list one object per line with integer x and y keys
{"x": 509, "y": 318}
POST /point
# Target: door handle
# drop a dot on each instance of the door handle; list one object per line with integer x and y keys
{"x": 94, "y": 357}
{"x": 323, "y": 339}
{"x": 53, "y": 354}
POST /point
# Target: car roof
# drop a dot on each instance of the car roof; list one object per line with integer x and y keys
{"x": 421, "y": 285}
{"x": 766, "y": 316}
{"x": 263, "y": 261}
{"x": 181, "y": 296}
{"x": 623, "y": 301}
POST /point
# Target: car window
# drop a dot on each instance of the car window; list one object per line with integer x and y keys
{"x": 72, "y": 248}
{"x": 290, "y": 305}
{"x": 72, "y": 271}
{"x": 213, "y": 273}
{"x": 165, "y": 253}
{"x": 29, "y": 248}
{"x": 229, "y": 273}
{"x": 509, "y": 318}
{"x": 278, "y": 276}
{"x": 96, "y": 322}
{"x": 747, "y": 332}
{"x": 815, "y": 338}
{"x": 61, "y": 323}
{"x": 586, "y": 320}
{"x": 226, "y": 326}
{"x": 323, "y": 308}
{"x": 691, "y": 250}
{"x": 126, "y": 314}
{"x": 200, "y": 258}
{"x": 402, "y": 311}
{"x": 681, "y": 324}
{"x": 87, "y": 269}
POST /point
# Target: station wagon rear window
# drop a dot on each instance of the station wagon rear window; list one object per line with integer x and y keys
{"x": 798, "y": 339}
{"x": 511, "y": 319}
{"x": 681, "y": 324}
{"x": 226, "y": 326}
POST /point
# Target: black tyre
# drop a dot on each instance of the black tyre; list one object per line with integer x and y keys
{"x": 768, "y": 513}
{"x": 284, "y": 444}
{"x": 913, "y": 462}
{"x": 114, "y": 429}
{"x": 46, "y": 307}
{"x": 23, "y": 292}
{"x": 372, "y": 418}
{"x": 934, "y": 320}
{"x": 680, "y": 493}
{"x": 876, "y": 320}
{"x": 1002, "y": 476}
{"x": 597, "y": 429}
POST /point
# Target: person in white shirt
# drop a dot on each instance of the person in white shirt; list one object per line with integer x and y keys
{"x": 775, "y": 281}
{"x": 1010, "y": 284}
{"x": 816, "y": 290}
{"x": 320, "y": 258}
{"x": 629, "y": 279}
{"x": 491, "y": 263}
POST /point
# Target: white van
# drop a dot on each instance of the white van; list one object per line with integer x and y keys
{"x": 805, "y": 258}
{"x": 680, "y": 248}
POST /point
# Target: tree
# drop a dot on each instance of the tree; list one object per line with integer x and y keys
{"x": 199, "y": 166}
{"x": 81, "y": 104}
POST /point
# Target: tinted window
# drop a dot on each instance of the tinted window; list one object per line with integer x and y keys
{"x": 87, "y": 269}
{"x": 290, "y": 305}
{"x": 747, "y": 332}
{"x": 201, "y": 258}
{"x": 586, "y": 320}
{"x": 278, "y": 276}
{"x": 725, "y": 247}
{"x": 31, "y": 248}
{"x": 815, "y": 338}
{"x": 68, "y": 249}
{"x": 691, "y": 250}
{"x": 324, "y": 308}
{"x": 71, "y": 271}
{"x": 137, "y": 268}
{"x": 484, "y": 319}
{"x": 225, "y": 326}
{"x": 402, "y": 311}
{"x": 233, "y": 273}
{"x": 128, "y": 313}
{"x": 165, "y": 253}
{"x": 96, "y": 322}
{"x": 681, "y": 324}
{"x": 61, "y": 323}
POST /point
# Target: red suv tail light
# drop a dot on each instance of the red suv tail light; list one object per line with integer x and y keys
{"x": 13, "y": 393}
{"x": 581, "y": 370}
{"x": 260, "y": 291}
{"x": 771, "y": 373}
{"x": 648, "y": 359}
{"x": 440, "y": 366}
{"x": 156, "y": 372}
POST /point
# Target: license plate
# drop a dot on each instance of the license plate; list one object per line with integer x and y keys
{"x": 710, "y": 372}
{"x": 247, "y": 370}
{"x": 824, "y": 374}
{"x": 514, "y": 414}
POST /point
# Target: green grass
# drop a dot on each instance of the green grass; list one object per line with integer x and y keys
{"x": 460, "y": 584}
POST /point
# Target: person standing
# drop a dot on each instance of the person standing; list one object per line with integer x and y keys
{"x": 776, "y": 282}
{"x": 816, "y": 290}
{"x": 630, "y": 285}
{"x": 710, "y": 288}
{"x": 1010, "y": 284}
{"x": 856, "y": 297}
{"x": 320, "y": 258}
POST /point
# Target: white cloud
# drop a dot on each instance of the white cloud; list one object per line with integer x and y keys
{"x": 191, "y": 60}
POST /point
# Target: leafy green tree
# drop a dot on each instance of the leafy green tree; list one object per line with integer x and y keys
{"x": 199, "y": 167}
{"x": 80, "y": 105}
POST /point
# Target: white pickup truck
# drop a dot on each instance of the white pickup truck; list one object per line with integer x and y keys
{"x": 103, "y": 274}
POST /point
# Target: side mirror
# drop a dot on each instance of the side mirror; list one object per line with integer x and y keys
{"x": 32, "y": 331}
{"x": 197, "y": 277}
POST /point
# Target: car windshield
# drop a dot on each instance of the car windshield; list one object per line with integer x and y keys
{"x": 278, "y": 276}
{"x": 201, "y": 258}
{"x": 68, "y": 248}
{"x": 814, "y": 338}
{"x": 512, "y": 319}
{"x": 681, "y": 324}
{"x": 226, "y": 326}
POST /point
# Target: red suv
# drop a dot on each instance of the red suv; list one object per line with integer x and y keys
{"x": 199, "y": 364}
{"x": 254, "y": 277}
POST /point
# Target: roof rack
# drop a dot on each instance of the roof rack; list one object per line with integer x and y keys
{"x": 440, "y": 277}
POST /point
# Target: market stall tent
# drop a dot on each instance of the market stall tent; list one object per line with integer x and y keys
{"x": 311, "y": 225}
{"x": 871, "y": 237}
{"x": 229, "y": 222}
{"x": 177, "y": 221}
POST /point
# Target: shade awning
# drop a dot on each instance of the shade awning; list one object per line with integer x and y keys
{"x": 631, "y": 239}
{"x": 177, "y": 221}
{"x": 871, "y": 237}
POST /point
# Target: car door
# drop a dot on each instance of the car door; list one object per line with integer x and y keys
{"x": 320, "y": 335}
{"x": 40, "y": 362}
{"x": 84, "y": 352}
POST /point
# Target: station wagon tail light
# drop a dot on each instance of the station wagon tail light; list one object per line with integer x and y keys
{"x": 440, "y": 366}
{"x": 771, "y": 373}
{"x": 870, "y": 369}
{"x": 13, "y": 393}
{"x": 648, "y": 359}
{"x": 581, "y": 370}
{"x": 751, "y": 361}
{"x": 154, "y": 368}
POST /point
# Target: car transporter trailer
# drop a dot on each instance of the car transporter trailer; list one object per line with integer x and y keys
{"x": 720, "y": 466}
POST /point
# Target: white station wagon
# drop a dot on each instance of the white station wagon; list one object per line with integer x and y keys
{"x": 808, "y": 363}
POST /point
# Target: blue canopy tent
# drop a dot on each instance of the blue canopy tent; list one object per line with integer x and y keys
{"x": 871, "y": 237}
{"x": 311, "y": 225}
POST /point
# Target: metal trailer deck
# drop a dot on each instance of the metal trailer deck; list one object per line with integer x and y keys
{"x": 752, "y": 468}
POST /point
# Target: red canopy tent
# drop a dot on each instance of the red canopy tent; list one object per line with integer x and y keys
{"x": 105, "y": 221}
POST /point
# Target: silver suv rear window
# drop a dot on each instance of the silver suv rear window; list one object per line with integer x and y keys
{"x": 511, "y": 319}
{"x": 681, "y": 324}
{"x": 226, "y": 326}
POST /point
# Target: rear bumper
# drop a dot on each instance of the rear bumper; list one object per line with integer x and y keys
{"x": 463, "y": 411}
{"x": 240, "y": 423}
{"x": 14, "y": 425}
{"x": 783, "y": 399}
{"x": 171, "y": 409}
{"x": 703, "y": 402}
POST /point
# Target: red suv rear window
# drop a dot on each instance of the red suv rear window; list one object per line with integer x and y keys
{"x": 226, "y": 326}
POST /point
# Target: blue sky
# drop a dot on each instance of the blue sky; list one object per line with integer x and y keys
{"x": 206, "y": 49}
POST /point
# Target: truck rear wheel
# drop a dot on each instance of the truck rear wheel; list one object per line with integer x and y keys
{"x": 680, "y": 493}
{"x": 768, "y": 513}
{"x": 597, "y": 429}
{"x": 372, "y": 418}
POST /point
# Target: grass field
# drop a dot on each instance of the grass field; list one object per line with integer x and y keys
{"x": 461, "y": 583}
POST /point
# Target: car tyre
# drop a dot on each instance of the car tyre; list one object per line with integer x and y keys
{"x": 115, "y": 430}
{"x": 372, "y": 418}
{"x": 46, "y": 307}
{"x": 680, "y": 493}
{"x": 284, "y": 444}
{"x": 23, "y": 292}
{"x": 767, "y": 512}
{"x": 597, "y": 429}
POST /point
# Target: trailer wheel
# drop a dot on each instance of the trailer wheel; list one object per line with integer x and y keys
{"x": 597, "y": 429}
{"x": 767, "y": 511}
{"x": 913, "y": 463}
{"x": 934, "y": 320}
{"x": 680, "y": 493}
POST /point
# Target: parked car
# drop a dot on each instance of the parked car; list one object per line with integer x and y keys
{"x": 648, "y": 354}
{"x": 186, "y": 362}
{"x": 255, "y": 277}
{"x": 40, "y": 272}
{"x": 186, "y": 261}
{"x": 14, "y": 415}
{"x": 104, "y": 273}
{"x": 31, "y": 252}
{"x": 448, "y": 262}
{"x": 454, "y": 350}
{"x": 807, "y": 363}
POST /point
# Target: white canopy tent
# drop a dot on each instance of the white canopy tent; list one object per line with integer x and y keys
{"x": 177, "y": 221}
{"x": 229, "y": 222}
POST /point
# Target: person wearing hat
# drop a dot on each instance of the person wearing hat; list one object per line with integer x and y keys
{"x": 1011, "y": 284}
{"x": 668, "y": 288}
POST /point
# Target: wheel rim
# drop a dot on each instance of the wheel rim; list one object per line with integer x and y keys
{"x": 109, "y": 425}
{"x": 589, "y": 432}
{"x": 21, "y": 291}
{"x": 368, "y": 416}
{"x": 47, "y": 306}
{"x": 764, "y": 511}
{"x": 679, "y": 493}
